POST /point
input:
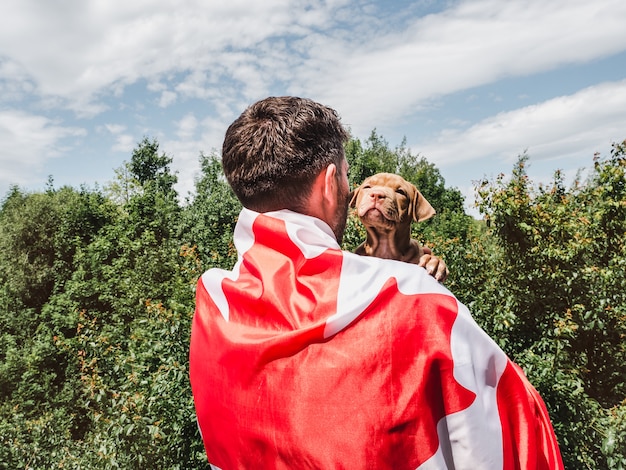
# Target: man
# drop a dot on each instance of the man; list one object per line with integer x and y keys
{"x": 306, "y": 356}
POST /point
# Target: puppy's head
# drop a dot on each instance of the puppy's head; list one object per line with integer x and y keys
{"x": 386, "y": 200}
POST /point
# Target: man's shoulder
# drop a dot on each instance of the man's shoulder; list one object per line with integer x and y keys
{"x": 410, "y": 277}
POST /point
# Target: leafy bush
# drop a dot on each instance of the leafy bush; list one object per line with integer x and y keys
{"x": 97, "y": 296}
{"x": 558, "y": 303}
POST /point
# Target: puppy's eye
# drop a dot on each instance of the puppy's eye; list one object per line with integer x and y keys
{"x": 401, "y": 191}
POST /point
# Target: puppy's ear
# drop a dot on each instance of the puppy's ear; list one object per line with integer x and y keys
{"x": 422, "y": 210}
{"x": 353, "y": 196}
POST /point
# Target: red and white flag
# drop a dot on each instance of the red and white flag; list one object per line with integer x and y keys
{"x": 306, "y": 356}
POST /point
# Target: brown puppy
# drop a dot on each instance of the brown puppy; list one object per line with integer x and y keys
{"x": 387, "y": 204}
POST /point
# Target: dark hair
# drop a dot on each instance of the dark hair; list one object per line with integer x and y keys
{"x": 275, "y": 149}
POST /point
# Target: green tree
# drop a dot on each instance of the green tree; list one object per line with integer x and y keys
{"x": 95, "y": 371}
{"x": 150, "y": 168}
{"x": 134, "y": 287}
{"x": 209, "y": 220}
{"x": 366, "y": 160}
{"x": 97, "y": 296}
{"x": 556, "y": 299}
{"x": 40, "y": 235}
{"x": 123, "y": 187}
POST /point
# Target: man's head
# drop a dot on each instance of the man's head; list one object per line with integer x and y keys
{"x": 273, "y": 152}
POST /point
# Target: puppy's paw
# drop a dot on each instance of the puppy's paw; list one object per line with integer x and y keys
{"x": 434, "y": 265}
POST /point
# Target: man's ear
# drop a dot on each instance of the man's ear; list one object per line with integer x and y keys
{"x": 330, "y": 175}
{"x": 422, "y": 210}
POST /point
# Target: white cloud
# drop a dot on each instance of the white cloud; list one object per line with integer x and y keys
{"x": 81, "y": 51}
{"x": 124, "y": 142}
{"x": 187, "y": 127}
{"x": 561, "y": 133}
{"x": 115, "y": 128}
{"x": 14, "y": 82}
{"x": 385, "y": 77}
{"x": 376, "y": 69}
{"x": 167, "y": 98}
{"x": 582, "y": 123}
{"x": 28, "y": 140}
{"x": 186, "y": 150}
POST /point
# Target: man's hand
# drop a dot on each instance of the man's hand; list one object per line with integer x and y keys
{"x": 436, "y": 267}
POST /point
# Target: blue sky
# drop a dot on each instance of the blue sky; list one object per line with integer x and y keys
{"x": 470, "y": 84}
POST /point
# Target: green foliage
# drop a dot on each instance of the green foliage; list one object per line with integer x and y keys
{"x": 150, "y": 168}
{"x": 94, "y": 366}
{"x": 40, "y": 235}
{"x": 209, "y": 220}
{"x": 559, "y": 303}
{"x": 374, "y": 157}
{"x": 97, "y": 295}
{"x": 123, "y": 187}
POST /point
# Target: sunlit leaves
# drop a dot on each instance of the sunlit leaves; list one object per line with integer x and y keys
{"x": 97, "y": 294}
{"x": 562, "y": 255}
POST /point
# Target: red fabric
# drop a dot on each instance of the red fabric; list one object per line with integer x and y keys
{"x": 271, "y": 391}
{"x": 527, "y": 442}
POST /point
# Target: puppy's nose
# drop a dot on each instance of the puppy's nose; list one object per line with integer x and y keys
{"x": 377, "y": 194}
